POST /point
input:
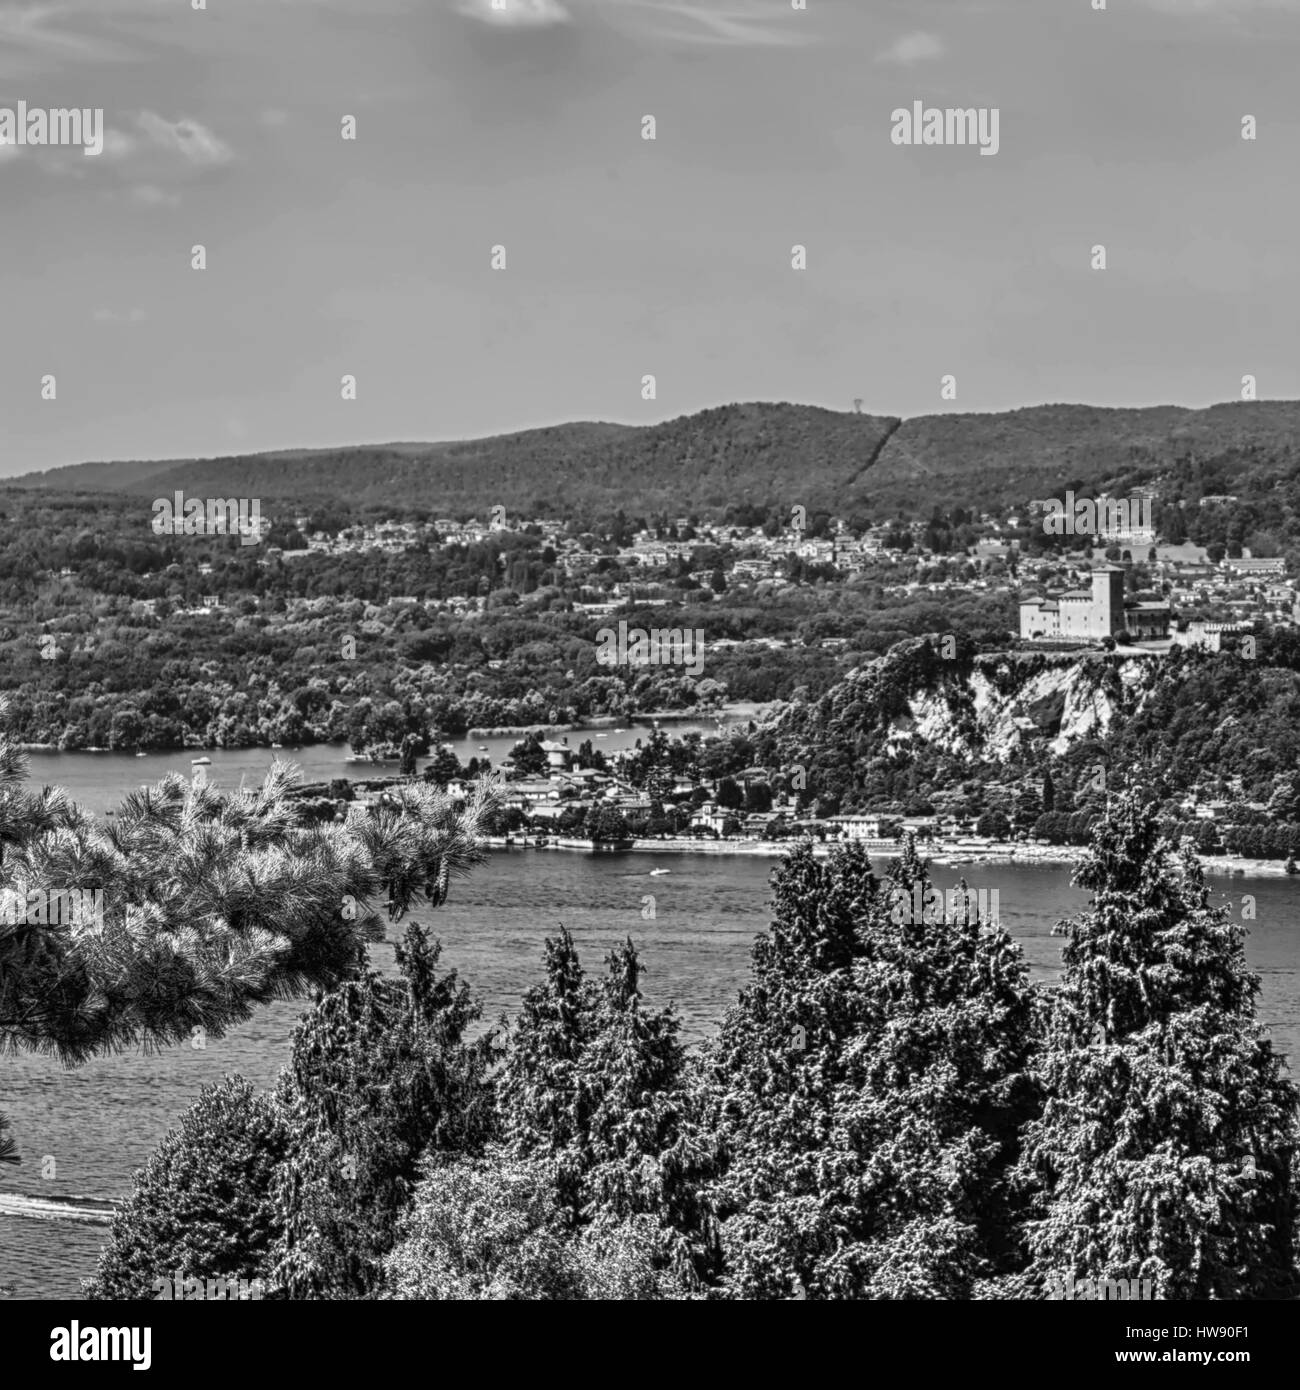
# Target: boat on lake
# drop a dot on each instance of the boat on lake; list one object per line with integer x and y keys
{"x": 200, "y": 762}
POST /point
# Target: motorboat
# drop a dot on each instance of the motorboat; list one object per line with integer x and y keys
{"x": 200, "y": 762}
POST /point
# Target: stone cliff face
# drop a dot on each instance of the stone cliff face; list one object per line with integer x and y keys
{"x": 1091, "y": 705}
{"x": 983, "y": 708}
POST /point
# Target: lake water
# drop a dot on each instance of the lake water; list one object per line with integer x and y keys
{"x": 98, "y": 781}
{"x": 101, "y": 1121}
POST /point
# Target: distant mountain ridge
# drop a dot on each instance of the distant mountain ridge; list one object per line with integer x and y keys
{"x": 758, "y": 453}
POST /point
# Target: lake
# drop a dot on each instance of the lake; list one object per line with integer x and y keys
{"x": 101, "y": 1121}
{"x": 98, "y": 781}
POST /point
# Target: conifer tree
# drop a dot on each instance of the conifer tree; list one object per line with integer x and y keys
{"x": 772, "y": 1070}
{"x": 1165, "y": 1148}
{"x": 544, "y": 1107}
{"x": 644, "y": 1157}
{"x": 594, "y": 1086}
{"x": 380, "y": 1074}
{"x": 867, "y": 1089}
{"x": 202, "y": 1205}
{"x": 942, "y": 1090}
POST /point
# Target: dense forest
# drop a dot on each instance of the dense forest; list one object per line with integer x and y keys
{"x": 766, "y": 455}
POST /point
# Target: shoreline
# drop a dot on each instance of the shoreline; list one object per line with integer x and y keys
{"x": 946, "y": 856}
{"x": 738, "y": 712}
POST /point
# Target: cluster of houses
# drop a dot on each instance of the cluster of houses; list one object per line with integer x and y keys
{"x": 1236, "y": 593}
{"x": 1095, "y": 607}
{"x": 756, "y": 556}
{"x": 1194, "y": 601}
{"x": 544, "y": 799}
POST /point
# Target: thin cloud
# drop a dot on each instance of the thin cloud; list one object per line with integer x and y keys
{"x": 118, "y": 144}
{"x": 516, "y": 14}
{"x": 32, "y": 40}
{"x": 39, "y": 36}
{"x": 194, "y": 142}
{"x": 1223, "y": 8}
{"x": 917, "y": 47}
{"x": 753, "y": 23}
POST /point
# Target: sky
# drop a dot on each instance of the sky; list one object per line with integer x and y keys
{"x": 521, "y": 127}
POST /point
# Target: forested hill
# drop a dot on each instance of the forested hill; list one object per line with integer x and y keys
{"x": 761, "y": 454}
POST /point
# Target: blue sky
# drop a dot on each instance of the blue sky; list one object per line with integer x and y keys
{"x": 628, "y": 257}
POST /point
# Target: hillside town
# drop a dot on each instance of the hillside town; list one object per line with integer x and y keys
{"x": 1152, "y": 595}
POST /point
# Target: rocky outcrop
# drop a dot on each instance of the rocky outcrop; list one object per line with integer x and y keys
{"x": 983, "y": 707}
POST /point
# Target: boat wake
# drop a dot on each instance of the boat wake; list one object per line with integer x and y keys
{"x": 92, "y": 1210}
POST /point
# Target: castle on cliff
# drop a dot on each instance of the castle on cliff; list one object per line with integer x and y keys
{"x": 1088, "y": 615}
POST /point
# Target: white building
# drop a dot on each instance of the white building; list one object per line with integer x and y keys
{"x": 863, "y": 827}
{"x": 1212, "y": 636}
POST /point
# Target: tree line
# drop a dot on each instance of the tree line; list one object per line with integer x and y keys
{"x": 889, "y": 1110}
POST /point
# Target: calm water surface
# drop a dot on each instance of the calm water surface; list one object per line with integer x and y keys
{"x": 98, "y": 781}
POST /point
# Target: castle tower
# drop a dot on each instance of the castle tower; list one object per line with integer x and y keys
{"x": 1107, "y": 601}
